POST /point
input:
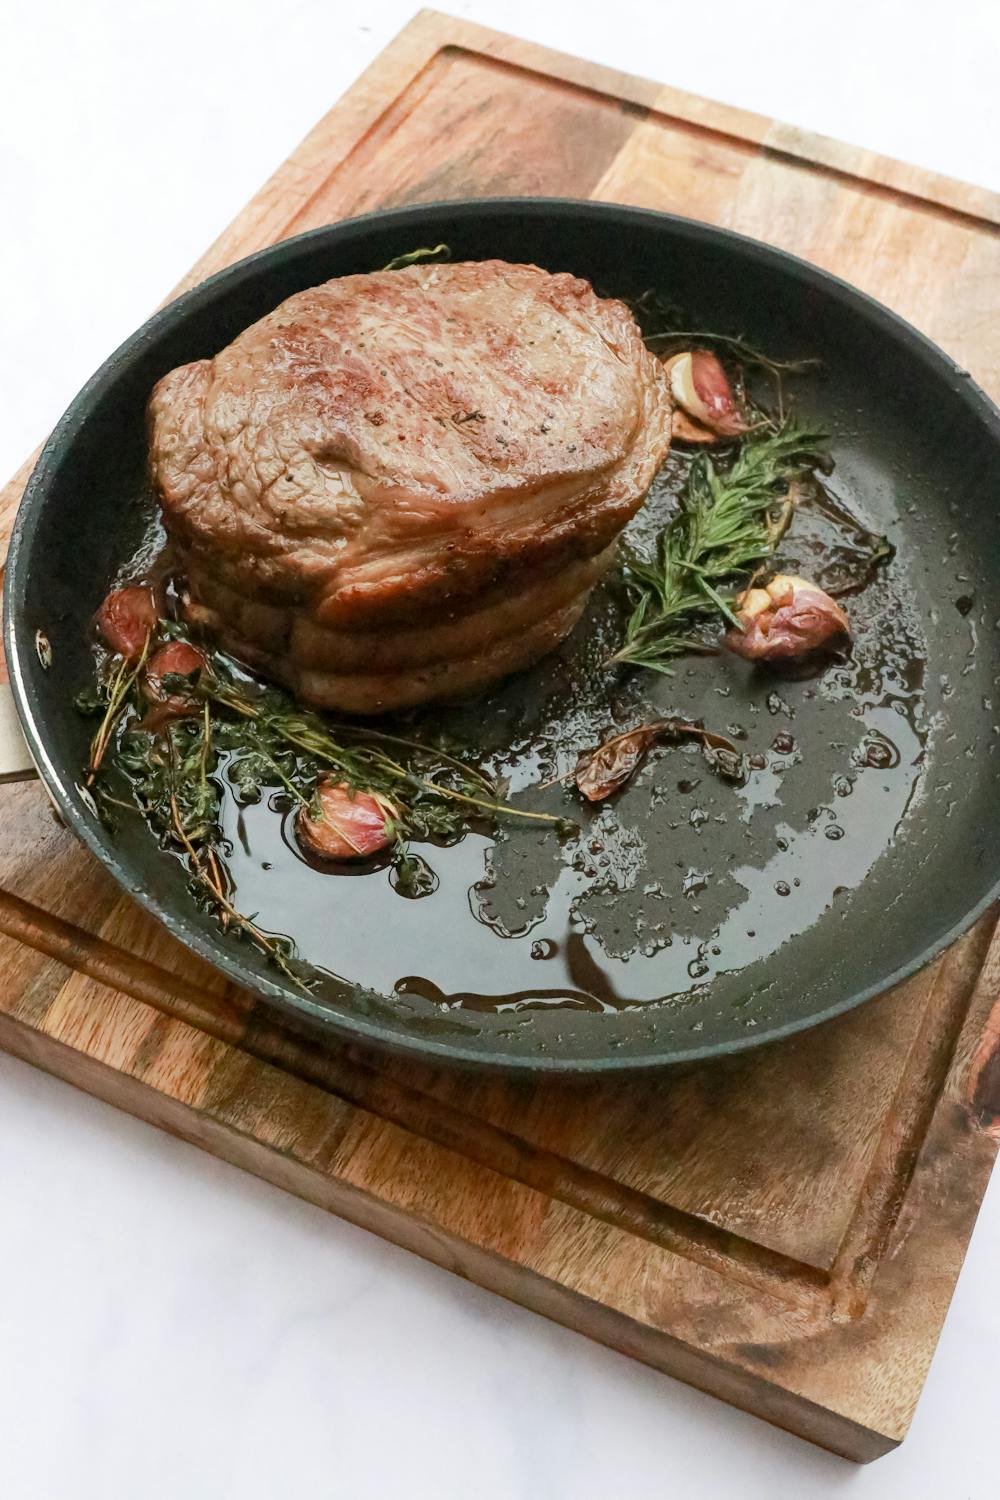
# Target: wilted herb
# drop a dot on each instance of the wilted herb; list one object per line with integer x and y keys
{"x": 881, "y": 551}
{"x": 607, "y": 768}
{"x": 256, "y": 738}
{"x": 729, "y": 522}
{"x": 89, "y": 701}
{"x": 437, "y": 252}
{"x": 412, "y": 876}
{"x": 835, "y": 550}
{"x": 434, "y": 792}
{"x": 174, "y": 780}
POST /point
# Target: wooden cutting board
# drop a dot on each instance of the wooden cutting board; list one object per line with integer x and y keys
{"x": 783, "y": 1228}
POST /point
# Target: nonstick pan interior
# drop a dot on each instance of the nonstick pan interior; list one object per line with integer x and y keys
{"x": 917, "y": 448}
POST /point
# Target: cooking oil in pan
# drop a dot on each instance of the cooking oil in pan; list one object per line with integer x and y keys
{"x": 679, "y": 879}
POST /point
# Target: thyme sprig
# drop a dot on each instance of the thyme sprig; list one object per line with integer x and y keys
{"x": 174, "y": 781}
{"x": 729, "y": 522}
{"x": 413, "y": 780}
{"x": 116, "y": 700}
{"x": 663, "y": 330}
{"x": 207, "y": 871}
{"x": 256, "y": 738}
{"x": 749, "y": 357}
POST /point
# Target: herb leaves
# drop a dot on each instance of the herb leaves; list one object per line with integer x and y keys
{"x": 730, "y": 521}
{"x": 414, "y": 257}
{"x": 257, "y": 738}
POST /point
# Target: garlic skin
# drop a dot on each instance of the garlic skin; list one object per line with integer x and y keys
{"x": 684, "y": 429}
{"x": 348, "y": 825}
{"x": 702, "y": 392}
{"x": 788, "y": 619}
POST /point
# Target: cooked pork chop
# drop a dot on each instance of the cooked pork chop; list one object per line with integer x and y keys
{"x": 401, "y": 486}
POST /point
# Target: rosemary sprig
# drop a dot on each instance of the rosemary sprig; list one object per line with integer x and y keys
{"x": 729, "y": 522}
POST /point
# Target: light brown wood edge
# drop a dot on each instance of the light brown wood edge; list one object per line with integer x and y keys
{"x": 432, "y": 29}
{"x": 15, "y": 761}
{"x": 351, "y": 1078}
{"x": 784, "y": 144}
{"x": 563, "y": 1304}
{"x": 969, "y": 969}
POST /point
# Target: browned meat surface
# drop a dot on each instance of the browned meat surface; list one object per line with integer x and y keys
{"x": 401, "y": 486}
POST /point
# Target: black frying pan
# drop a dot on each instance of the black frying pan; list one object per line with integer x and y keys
{"x": 711, "y": 920}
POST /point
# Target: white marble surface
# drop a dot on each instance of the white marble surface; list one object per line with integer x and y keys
{"x": 169, "y": 1326}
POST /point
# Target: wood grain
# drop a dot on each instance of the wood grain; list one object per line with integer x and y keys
{"x": 784, "y": 1228}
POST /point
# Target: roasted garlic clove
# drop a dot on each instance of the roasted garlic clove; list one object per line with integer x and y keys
{"x": 345, "y": 824}
{"x": 685, "y": 429}
{"x": 128, "y": 618}
{"x": 787, "y": 619}
{"x": 700, "y": 387}
{"x": 175, "y": 659}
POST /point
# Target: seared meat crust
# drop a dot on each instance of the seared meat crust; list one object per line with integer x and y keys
{"x": 403, "y": 485}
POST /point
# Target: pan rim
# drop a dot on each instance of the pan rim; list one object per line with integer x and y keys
{"x": 343, "y": 1026}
